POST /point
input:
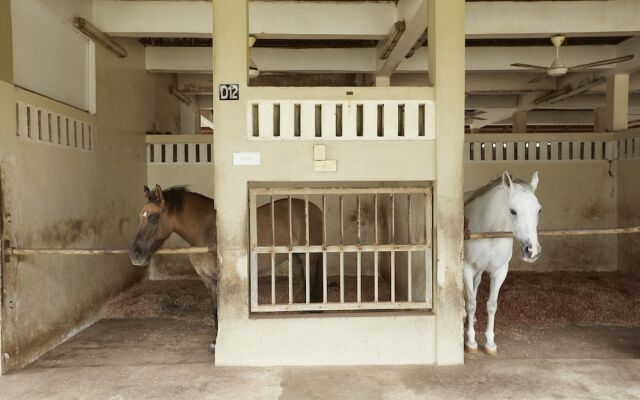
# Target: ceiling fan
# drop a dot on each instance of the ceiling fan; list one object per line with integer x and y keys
{"x": 473, "y": 115}
{"x": 558, "y": 68}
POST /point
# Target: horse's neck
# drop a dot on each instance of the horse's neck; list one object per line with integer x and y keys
{"x": 489, "y": 211}
{"x": 196, "y": 222}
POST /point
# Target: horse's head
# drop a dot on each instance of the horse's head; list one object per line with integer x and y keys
{"x": 155, "y": 227}
{"x": 525, "y": 211}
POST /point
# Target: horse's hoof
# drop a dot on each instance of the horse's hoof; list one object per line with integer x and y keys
{"x": 212, "y": 348}
{"x": 471, "y": 348}
{"x": 491, "y": 350}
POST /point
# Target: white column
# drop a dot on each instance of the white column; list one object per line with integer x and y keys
{"x": 446, "y": 71}
{"x": 382, "y": 80}
{"x": 617, "y": 102}
{"x": 230, "y": 60}
{"x": 189, "y": 118}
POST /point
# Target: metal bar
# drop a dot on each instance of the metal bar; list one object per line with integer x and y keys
{"x": 393, "y": 219}
{"x": 324, "y": 277}
{"x": 341, "y": 277}
{"x": 427, "y": 219}
{"x": 375, "y": 218}
{"x": 350, "y": 306}
{"x": 358, "y": 220}
{"x": 359, "y": 276}
{"x": 334, "y": 190}
{"x": 409, "y": 278}
{"x": 306, "y": 277}
{"x": 290, "y": 278}
{"x": 410, "y": 235}
{"x": 393, "y": 276}
{"x": 290, "y": 224}
{"x": 341, "y": 220}
{"x": 253, "y": 241}
{"x": 306, "y": 218}
{"x": 273, "y": 278}
{"x": 375, "y": 276}
{"x": 273, "y": 224}
{"x": 91, "y": 252}
{"x": 338, "y": 248}
{"x": 324, "y": 220}
{"x": 324, "y": 253}
{"x": 556, "y": 232}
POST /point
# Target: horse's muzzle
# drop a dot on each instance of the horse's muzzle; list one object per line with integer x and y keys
{"x": 137, "y": 258}
{"x": 528, "y": 254}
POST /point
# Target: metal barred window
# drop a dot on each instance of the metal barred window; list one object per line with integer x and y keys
{"x": 370, "y": 248}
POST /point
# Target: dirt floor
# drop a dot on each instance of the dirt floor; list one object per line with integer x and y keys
{"x": 527, "y": 300}
{"x": 560, "y": 336}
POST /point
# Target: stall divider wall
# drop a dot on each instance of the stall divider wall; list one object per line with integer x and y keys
{"x": 343, "y": 338}
{"x": 59, "y": 196}
{"x": 628, "y": 205}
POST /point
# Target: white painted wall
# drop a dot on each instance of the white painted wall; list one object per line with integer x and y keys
{"x": 50, "y": 57}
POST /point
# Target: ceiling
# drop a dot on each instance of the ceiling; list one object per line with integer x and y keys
{"x": 338, "y": 42}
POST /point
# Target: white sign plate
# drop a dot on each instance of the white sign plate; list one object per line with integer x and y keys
{"x": 246, "y": 158}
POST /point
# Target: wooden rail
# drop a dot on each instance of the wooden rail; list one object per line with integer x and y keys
{"x": 556, "y": 232}
{"x": 10, "y": 251}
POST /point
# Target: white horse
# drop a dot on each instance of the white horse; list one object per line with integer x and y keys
{"x": 501, "y": 205}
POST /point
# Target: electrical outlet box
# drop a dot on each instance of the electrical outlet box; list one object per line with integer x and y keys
{"x": 319, "y": 152}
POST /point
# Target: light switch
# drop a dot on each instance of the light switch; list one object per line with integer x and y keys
{"x": 319, "y": 152}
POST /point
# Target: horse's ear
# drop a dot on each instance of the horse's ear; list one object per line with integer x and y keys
{"x": 147, "y": 192}
{"x": 506, "y": 180}
{"x": 534, "y": 181}
{"x": 157, "y": 195}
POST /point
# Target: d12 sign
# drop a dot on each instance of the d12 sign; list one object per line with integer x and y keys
{"x": 229, "y": 91}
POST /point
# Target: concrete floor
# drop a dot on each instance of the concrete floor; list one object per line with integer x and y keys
{"x": 167, "y": 358}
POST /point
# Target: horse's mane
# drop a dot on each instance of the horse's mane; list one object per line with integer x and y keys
{"x": 175, "y": 195}
{"x": 492, "y": 184}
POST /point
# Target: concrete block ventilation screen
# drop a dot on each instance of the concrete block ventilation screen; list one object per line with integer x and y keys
{"x": 341, "y": 120}
{"x": 340, "y": 249}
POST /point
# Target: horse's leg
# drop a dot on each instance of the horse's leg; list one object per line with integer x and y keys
{"x": 298, "y": 271}
{"x": 214, "y": 306}
{"x": 470, "y": 305}
{"x": 316, "y": 278}
{"x": 497, "y": 278}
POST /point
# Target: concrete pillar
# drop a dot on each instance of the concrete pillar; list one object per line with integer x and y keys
{"x": 600, "y": 119}
{"x": 446, "y": 71}
{"x": 6, "y": 53}
{"x": 618, "y": 102}
{"x": 230, "y": 63}
{"x": 189, "y": 118}
{"x": 383, "y": 80}
{"x": 519, "y": 121}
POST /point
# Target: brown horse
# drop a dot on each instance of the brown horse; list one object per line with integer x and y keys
{"x": 193, "y": 217}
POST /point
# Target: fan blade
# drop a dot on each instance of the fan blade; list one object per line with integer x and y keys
{"x": 528, "y": 66}
{"x": 538, "y": 78}
{"x": 478, "y": 118}
{"x": 602, "y": 62}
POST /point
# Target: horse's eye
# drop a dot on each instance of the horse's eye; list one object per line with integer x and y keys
{"x": 513, "y": 212}
{"x": 153, "y": 218}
